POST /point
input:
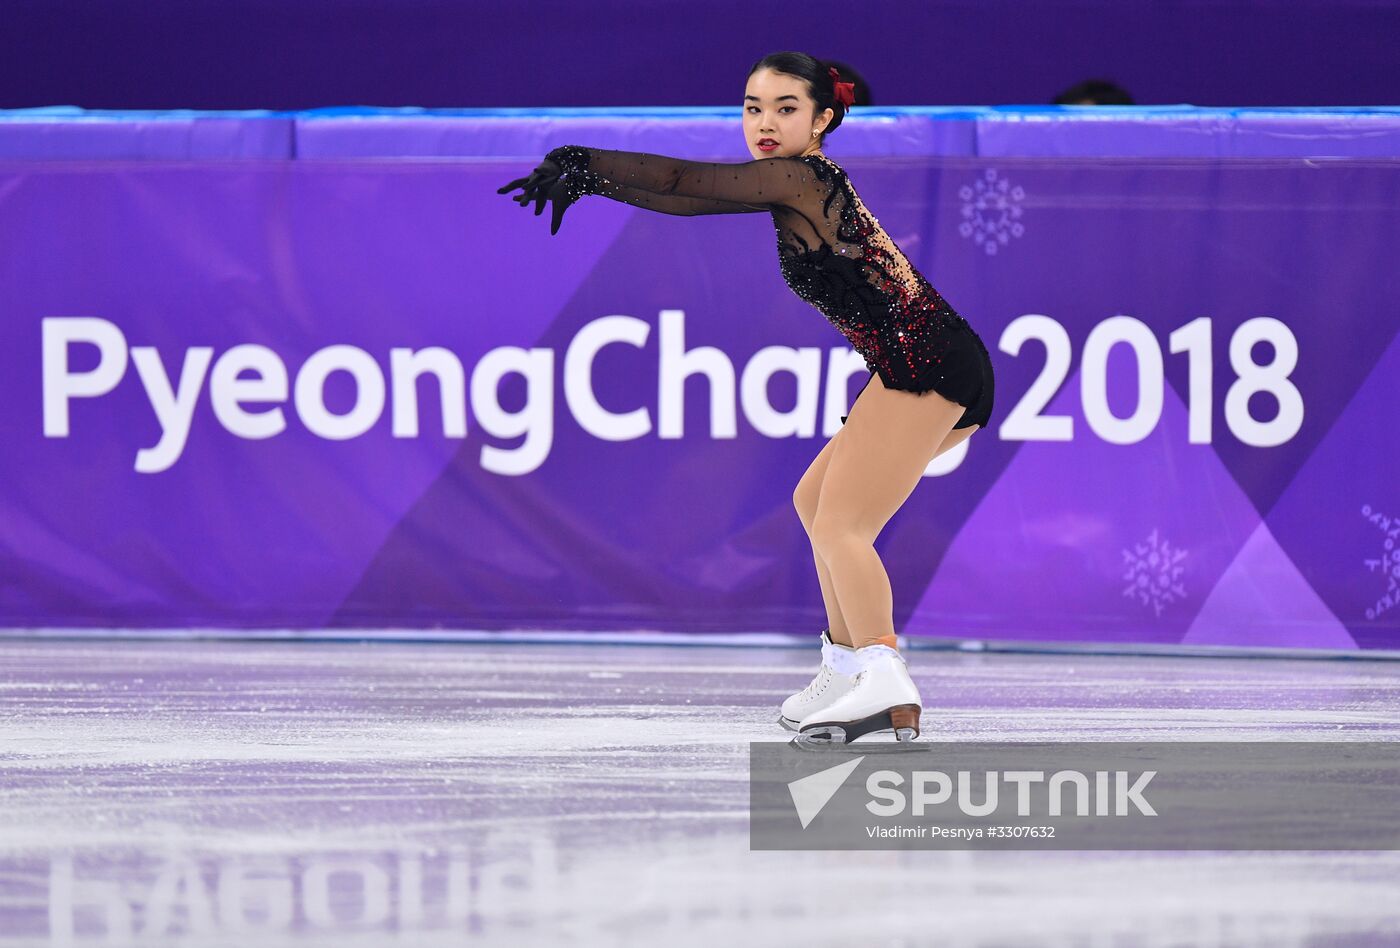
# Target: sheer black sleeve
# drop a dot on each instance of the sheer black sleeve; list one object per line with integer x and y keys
{"x": 737, "y": 187}
{"x": 673, "y": 203}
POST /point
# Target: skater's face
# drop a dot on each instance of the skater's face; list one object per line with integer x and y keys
{"x": 778, "y": 107}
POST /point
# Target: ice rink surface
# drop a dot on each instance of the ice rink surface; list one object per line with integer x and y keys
{"x": 259, "y": 793}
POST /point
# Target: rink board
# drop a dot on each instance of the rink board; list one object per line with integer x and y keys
{"x": 274, "y": 370}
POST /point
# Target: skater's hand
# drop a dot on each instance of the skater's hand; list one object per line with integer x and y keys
{"x": 542, "y": 185}
{"x": 535, "y": 186}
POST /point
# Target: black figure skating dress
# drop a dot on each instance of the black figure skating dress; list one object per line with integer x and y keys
{"x": 833, "y": 254}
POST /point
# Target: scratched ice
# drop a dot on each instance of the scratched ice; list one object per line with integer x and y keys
{"x": 257, "y": 793}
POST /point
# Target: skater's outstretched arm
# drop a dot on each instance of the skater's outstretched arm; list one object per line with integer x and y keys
{"x": 672, "y": 185}
{"x": 676, "y": 204}
{"x": 761, "y": 184}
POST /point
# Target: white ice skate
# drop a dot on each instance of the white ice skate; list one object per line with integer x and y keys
{"x": 882, "y": 698}
{"x": 833, "y": 680}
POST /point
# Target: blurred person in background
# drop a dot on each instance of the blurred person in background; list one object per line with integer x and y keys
{"x": 1094, "y": 92}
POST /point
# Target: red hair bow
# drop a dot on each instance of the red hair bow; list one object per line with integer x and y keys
{"x": 845, "y": 91}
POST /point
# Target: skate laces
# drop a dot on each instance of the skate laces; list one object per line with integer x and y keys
{"x": 818, "y": 683}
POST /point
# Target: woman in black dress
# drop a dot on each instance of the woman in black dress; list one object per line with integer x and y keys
{"x": 930, "y": 385}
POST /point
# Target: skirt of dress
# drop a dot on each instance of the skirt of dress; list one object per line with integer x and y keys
{"x": 972, "y": 384}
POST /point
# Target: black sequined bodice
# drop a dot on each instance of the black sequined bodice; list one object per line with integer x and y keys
{"x": 832, "y": 251}
{"x": 861, "y": 281}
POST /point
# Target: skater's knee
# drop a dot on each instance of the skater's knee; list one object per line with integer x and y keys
{"x": 804, "y": 500}
{"x": 832, "y": 531}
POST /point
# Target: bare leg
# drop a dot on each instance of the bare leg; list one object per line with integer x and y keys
{"x": 804, "y": 498}
{"x": 956, "y": 438}
{"x": 888, "y": 440}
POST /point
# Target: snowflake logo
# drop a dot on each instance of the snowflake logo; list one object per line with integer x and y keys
{"x": 1387, "y": 564}
{"x": 991, "y": 211}
{"x": 1153, "y": 570}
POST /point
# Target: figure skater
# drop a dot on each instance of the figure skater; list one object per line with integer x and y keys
{"x": 932, "y": 374}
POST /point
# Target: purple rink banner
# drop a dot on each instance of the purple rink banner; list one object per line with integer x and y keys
{"x": 374, "y": 393}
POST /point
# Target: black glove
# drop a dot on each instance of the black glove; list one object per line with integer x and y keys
{"x": 542, "y": 185}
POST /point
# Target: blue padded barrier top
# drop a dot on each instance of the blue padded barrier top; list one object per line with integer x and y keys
{"x": 714, "y": 132}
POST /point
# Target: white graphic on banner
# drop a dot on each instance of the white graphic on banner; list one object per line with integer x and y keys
{"x": 292, "y": 401}
{"x": 1153, "y": 569}
{"x": 1387, "y": 564}
{"x": 991, "y": 211}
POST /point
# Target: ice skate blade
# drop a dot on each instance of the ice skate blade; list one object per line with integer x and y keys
{"x": 821, "y": 736}
{"x": 902, "y": 719}
{"x": 787, "y": 723}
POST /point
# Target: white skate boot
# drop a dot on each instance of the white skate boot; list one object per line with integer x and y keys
{"x": 833, "y": 680}
{"x": 881, "y": 698}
